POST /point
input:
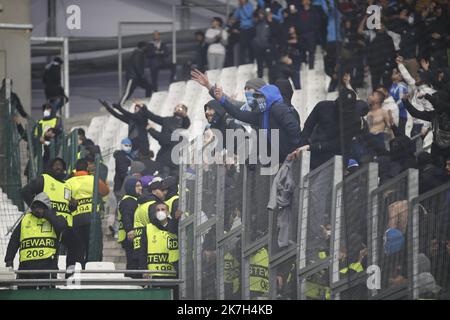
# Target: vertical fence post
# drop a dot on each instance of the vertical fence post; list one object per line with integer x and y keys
{"x": 95, "y": 237}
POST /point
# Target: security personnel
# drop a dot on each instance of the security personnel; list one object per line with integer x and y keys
{"x": 54, "y": 185}
{"x": 82, "y": 185}
{"x": 231, "y": 274}
{"x": 126, "y": 210}
{"x": 158, "y": 244}
{"x": 259, "y": 274}
{"x": 36, "y": 238}
{"x": 50, "y": 120}
{"x": 314, "y": 287}
{"x": 158, "y": 189}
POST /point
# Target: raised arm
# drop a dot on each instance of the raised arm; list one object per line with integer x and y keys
{"x": 119, "y": 116}
{"x": 423, "y": 115}
{"x": 405, "y": 74}
{"x": 151, "y": 116}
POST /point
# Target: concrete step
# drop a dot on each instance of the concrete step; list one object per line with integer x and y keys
{"x": 120, "y": 265}
{"x": 118, "y": 252}
{"x": 115, "y": 259}
{"x": 109, "y": 244}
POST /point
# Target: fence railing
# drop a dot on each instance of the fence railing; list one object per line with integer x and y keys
{"x": 340, "y": 237}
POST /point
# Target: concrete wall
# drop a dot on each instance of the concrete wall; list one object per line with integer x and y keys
{"x": 99, "y": 18}
{"x": 15, "y": 48}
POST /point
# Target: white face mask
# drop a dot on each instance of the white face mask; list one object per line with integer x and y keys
{"x": 126, "y": 149}
{"x": 47, "y": 113}
{"x": 161, "y": 215}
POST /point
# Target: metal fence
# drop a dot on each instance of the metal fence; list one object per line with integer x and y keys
{"x": 315, "y": 230}
{"x": 389, "y": 229}
{"x": 429, "y": 243}
{"x": 343, "y": 237}
{"x": 350, "y": 235}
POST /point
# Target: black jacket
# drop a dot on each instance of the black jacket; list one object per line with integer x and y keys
{"x": 281, "y": 117}
{"x": 137, "y": 126}
{"x": 381, "y": 51}
{"x": 168, "y": 126}
{"x": 128, "y": 208}
{"x": 136, "y": 65}
{"x": 123, "y": 161}
{"x": 223, "y": 122}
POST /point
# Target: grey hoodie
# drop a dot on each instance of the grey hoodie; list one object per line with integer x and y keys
{"x": 42, "y": 198}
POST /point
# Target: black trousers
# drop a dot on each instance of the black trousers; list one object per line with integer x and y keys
{"x": 263, "y": 55}
{"x": 76, "y": 240}
{"x": 132, "y": 261}
{"x": 155, "y": 67}
{"x": 245, "y": 48}
{"x": 140, "y": 82}
{"x": 308, "y": 41}
{"x": 47, "y": 264}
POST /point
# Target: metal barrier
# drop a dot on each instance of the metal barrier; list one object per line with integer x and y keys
{"x": 10, "y": 175}
{"x": 429, "y": 243}
{"x": 350, "y": 235}
{"x": 315, "y": 230}
{"x": 389, "y": 227}
{"x": 283, "y": 232}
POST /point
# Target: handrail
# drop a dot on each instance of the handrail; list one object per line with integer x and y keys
{"x": 47, "y": 282}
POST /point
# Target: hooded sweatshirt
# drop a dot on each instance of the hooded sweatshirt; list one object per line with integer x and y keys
{"x": 59, "y": 224}
{"x": 128, "y": 206}
{"x": 277, "y": 115}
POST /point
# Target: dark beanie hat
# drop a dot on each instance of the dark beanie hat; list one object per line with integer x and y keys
{"x": 255, "y": 83}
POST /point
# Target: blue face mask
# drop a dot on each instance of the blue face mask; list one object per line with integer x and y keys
{"x": 262, "y": 105}
{"x": 249, "y": 97}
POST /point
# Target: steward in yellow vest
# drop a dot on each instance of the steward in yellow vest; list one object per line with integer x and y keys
{"x": 36, "y": 238}
{"x": 82, "y": 185}
{"x": 126, "y": 211}
{"x": 57, "y": 189}
{"x": 259, "y": 274}
{"x": 157, "y": 243}
{"x": 158, "y": 191}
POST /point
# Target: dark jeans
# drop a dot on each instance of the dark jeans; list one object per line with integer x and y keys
{"x": 263, "y": 55}
{"x": 156, "y": 66}
{"x": 308, "y": 41}
{"x": 402, "y": 125}
{"x": 140, "y": 82}
{"x": 245, "y": 48}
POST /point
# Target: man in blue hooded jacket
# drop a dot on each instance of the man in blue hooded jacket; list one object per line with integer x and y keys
{"x": 270, "y": 112}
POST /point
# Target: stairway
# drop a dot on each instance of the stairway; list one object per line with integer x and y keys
{"x": 112, "y": 251}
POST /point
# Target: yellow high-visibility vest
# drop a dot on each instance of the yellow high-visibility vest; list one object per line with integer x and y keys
{"x": 38, "y": 239}
{"x": 141, "y": 219}
{"x": 45, "y": 125}
{"x": 83, "y": 191}
{"x": 259, "y": 272}
{"x": 170, "y": 202}
{"x": 231, "y": 271}
{"x": 59, "y": 194}
{"x": 174, "y": 251}
{"x": 158, "y": 250}
{"x": 355, "y": 266}
{"x": 122, "y": 233}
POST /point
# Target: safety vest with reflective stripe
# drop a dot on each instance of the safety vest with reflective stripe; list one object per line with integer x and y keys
{"x": 259, "y": 272}
{"x": 316, "y": 290}
{"x": 38, "y": 239}
{"x": 83, "y": 191}
{"x": 355, "y": 266}
{"x": 231, "y": 271}
{"x": 45, "y": 125}
{"x": 122, "y": 233}
{"x": 59, "y": 194}
{"x": 159, "y": 243}
{"x": 141, "y": 219}
{"x": 170, "y": 202}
